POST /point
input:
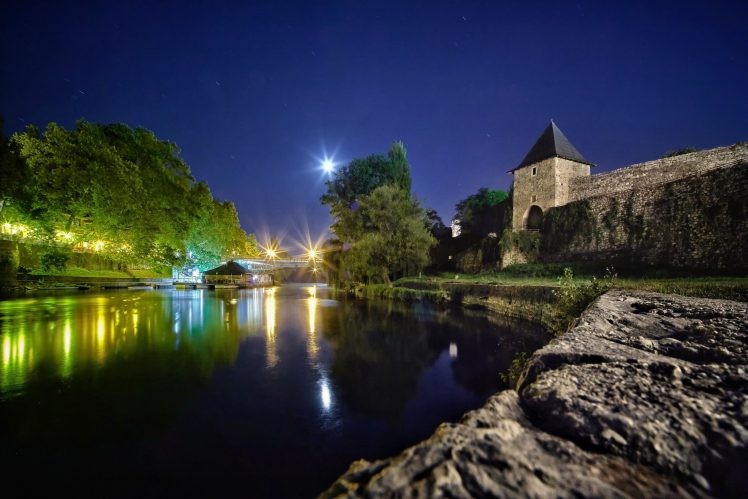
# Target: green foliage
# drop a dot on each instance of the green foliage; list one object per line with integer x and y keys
{"x": 54, "y": 259}
{"x": 480, "y": 213}
{"x": 13, "y": 174}
{"x": 678, "y": 152}
{"x": 361, "y": 176}
{"x": 534, "y": 270}
{"x": 404, "y": 294}
{"x": 386, "y": 230}
{"x": 390, "y": 236}
{"x": 490, "y": 251}
{"x": 572, "y": 297}
{"x": 125, "y": 187}
{"x": 528, "y": 243}
{"x": 512, "y": 375}
{"x": 436, "y": 226}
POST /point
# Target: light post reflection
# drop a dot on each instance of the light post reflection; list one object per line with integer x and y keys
{"x": 67, "y": 341}
{"x": 312, "y": 344}
{"x": 271, "y": 353}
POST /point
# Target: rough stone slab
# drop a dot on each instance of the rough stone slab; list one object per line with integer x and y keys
{"x": 646, "y": 396}
{"x": 496, "y": 452}
{"x": 659, "y": 379}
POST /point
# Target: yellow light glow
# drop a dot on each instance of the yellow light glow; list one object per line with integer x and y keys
{"x": 328, "y": 166}
{"x": 21, "y": 351}
{"x": 312, "y": 345}
{"x": 100, "y": 336}
{"x": 67, "y": 359}
{"x": 312, "y": 309}
{"x": 67, "y": 337}
{"x": 271, "y": 353}
{"x": 6, "y": 350}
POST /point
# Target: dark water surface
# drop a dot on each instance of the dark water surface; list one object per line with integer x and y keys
{"x": 231, "y": 392}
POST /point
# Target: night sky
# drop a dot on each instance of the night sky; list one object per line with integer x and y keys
{"x": 256, "y": 95}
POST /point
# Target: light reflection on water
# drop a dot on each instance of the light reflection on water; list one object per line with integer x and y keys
{"x": 220, "y": 378}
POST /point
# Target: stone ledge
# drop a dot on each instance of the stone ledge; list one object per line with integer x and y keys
{"x": 647, "y": 395}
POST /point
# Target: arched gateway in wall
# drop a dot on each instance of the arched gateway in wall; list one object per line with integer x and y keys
{"x": 534, "y": 218}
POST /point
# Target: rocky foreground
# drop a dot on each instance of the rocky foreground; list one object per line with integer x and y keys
{"x": 646, "y": 396}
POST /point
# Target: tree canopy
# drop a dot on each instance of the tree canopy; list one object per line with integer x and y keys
{"x": 479, "y": 213}
{"x": 383, "y": 228}
{"x": 119, "y": 187}
{"x": 394, "y": 239}
{"x": 361, "y": 176}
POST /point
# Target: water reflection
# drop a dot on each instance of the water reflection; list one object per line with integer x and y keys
{"x": 66, "y": 333}
{"x": 248, "y": 385}
{"x": 312, "y": 347}
{"x": 271, "y": 351}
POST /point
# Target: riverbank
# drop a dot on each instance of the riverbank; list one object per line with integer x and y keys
{"x": 535, "y": 298}
{"x": 644, "y": 396}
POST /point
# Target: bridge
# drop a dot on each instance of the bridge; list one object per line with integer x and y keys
{"x": 265, "y": 265}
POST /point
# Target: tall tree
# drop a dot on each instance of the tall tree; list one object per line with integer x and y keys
{"x": 384, "y": 232}
{"x": 395, "y": 241}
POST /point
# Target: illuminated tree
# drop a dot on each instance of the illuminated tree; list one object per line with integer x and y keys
{"x": 126, "y": 187}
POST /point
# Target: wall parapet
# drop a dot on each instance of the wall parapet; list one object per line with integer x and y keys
{"x": 657, "y": 172}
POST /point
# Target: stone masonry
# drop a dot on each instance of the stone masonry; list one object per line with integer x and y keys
{"x": 646, "y": 396}
{"x": 687, "y": 211}
{"x": 550, "y": 186}
{"x": 698, "y": 221}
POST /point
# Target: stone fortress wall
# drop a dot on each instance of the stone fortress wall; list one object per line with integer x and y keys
{"x": 657, "y": 172}
{"x": 687, "y": 211}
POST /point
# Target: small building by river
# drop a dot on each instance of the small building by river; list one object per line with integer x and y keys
{"x": 234, "y": 273}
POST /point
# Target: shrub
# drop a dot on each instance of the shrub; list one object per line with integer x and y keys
{"x": 572, "y": 297}
{"x": 528, "y": 243}
{"x": 678, "y": 152}
{"x": 54, "y": 259}
{"x": 438, "y": 296}
{"x": 512, "y": 374}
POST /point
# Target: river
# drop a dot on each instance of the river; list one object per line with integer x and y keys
{"x": 266, "y": 392}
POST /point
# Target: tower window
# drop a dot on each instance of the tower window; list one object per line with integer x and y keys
{"x": 534, "y": 198}
{"x": 534, "y": 170}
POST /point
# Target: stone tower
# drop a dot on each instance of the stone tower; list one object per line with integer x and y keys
{"x": 541, "y": 180}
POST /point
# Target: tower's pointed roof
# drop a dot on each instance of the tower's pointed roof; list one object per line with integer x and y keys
{"x": 552, "y": 143}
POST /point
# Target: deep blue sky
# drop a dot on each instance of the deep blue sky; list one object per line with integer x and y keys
{"x": 252, "y": 94}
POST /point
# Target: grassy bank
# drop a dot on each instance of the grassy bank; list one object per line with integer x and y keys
{"x": 547, "y": 294}
{"x": 403, "y": 293}
{"x": 657, "y": 280}
{"x": 81, "y": 272}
